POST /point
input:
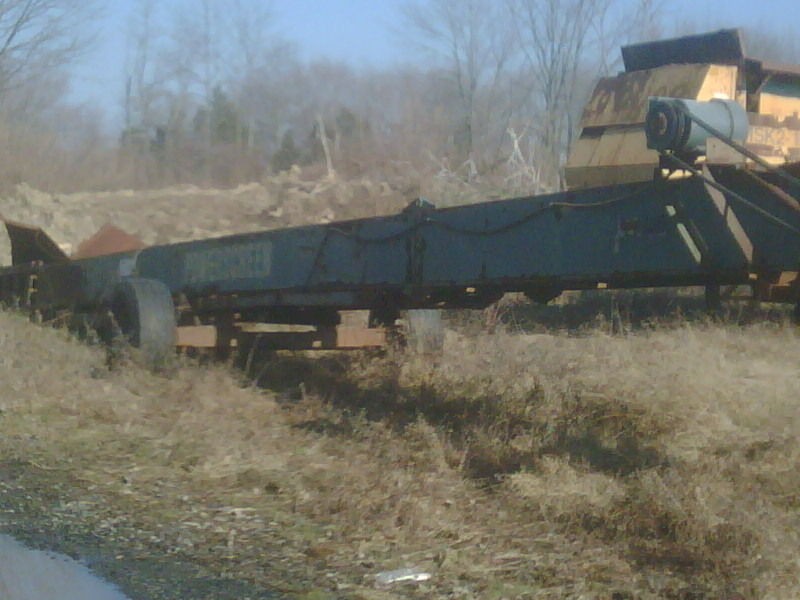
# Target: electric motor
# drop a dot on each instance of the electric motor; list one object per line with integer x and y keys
{"x": 669, "y": 124}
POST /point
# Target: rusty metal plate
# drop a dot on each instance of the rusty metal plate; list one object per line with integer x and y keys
{"x": 623, "y": 100}
{"x": 109, "y": 239}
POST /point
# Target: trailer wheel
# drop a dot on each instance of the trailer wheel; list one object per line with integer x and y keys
{"x": 144, "y": 315}
{"x": 425, "y": 331}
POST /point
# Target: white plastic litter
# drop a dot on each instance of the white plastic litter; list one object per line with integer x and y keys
{"x": 409, "y": 575}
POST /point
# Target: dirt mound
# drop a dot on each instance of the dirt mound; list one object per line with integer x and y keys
{"x": 188, "y": 212}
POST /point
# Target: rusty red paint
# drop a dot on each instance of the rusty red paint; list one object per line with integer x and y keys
{"x": 109, "y": 239}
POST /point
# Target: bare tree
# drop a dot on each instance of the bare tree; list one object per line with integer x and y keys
{"x": 142, "y": 84}
{"x": 40, "y": 36}
{"x": 257, "y": 53}
{"x": 554, "y": 36}
{"x": 39, "y": 41}
{"x": 469, "y": 41}
{"x": 623, "y": 23}
{"x": 251, "y": 34}
{"x": 567, "y": 45}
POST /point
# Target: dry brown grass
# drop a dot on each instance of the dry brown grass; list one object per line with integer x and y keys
{"x": 660, "y": 463}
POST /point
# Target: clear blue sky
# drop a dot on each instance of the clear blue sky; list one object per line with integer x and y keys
{"x": 365, "y": 33}
{"x": 361, "y": 32}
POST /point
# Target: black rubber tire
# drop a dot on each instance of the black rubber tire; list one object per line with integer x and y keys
{"x": 425, "y": 331}
{"x": 144, "y": 315}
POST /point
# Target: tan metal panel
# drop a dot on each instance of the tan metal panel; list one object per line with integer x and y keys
{"x": 359, "y": 337}
{"x": 583, "y": 149}
{"x": 618, "y": 156}
{"x": 779, "y": 107}
{"x": 720, "y": 153}
{"x": 613, "y": 122}
{"x": 586, "y": 177}
{"x": 780, "y": 139}
{"x": 633, "y": 149}
{"x": 196, "y": 336}
{"x": 622, "y": 100}
{"x": 720, "y": 82}
{"x": 726, "y": 211}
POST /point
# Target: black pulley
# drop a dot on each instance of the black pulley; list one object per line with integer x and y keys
{"x": 666, "y": 127}
{"x": 683, "y": 125}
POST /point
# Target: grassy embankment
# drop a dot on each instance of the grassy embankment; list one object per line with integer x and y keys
{"x": 656, "y": 462}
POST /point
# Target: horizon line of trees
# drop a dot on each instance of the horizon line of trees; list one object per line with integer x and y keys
{"x": 215, "y": 95}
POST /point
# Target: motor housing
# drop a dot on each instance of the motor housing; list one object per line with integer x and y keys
{"x": 670, "y": 123}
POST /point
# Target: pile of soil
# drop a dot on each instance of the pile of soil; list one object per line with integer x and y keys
{"x": 187, "y": 212}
